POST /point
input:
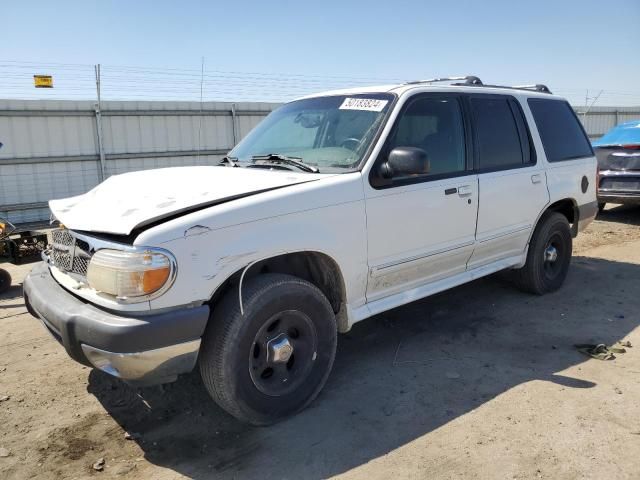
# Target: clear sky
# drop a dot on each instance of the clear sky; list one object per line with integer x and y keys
{"x": 282, "y": 49}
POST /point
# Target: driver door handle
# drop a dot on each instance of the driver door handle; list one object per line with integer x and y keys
{"x": 464, "y": 190}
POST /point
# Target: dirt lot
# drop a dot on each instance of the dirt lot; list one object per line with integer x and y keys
{"x": 479, "y": 382}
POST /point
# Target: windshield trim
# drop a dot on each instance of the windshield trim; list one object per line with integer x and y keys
{"x": 374, "y": 140}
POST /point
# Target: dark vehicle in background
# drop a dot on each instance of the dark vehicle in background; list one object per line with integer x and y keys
{"x": 618, "y": 153}
{"x": 18, "y": 247}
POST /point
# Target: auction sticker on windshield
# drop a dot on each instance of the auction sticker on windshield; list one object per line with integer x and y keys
{"x": 370, "y": 104}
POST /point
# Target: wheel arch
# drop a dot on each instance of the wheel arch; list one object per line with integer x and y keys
{"x": 316, "y": 267}
{"x": 567, "y": 207}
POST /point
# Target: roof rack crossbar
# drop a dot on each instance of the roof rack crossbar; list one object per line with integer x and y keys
{"x": 538, "y": 87}
{"x": 468, "y": 80}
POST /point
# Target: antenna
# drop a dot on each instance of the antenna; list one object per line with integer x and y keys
{"x": 586, "y": 100}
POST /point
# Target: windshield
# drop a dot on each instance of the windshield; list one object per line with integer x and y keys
{"x": 330, "y": 133}
{"x": 627, "y": 133}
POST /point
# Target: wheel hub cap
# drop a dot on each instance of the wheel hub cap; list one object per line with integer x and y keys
{"x": 551, "y": 254}
{"x": 279, "y": 349}
{"x": 283, "y": 353}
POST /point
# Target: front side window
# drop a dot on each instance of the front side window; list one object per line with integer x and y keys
{"x": 562, "y": 135}
{"x": 435, "y": 125}
{"x": 331, "y": 133}
{"x": 498, "y": 139}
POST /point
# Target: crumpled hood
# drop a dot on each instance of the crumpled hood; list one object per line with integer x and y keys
{"x": 124, "y": 202}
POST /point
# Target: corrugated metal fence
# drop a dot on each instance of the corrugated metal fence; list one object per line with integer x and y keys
{"x": 599, "y": 120}
{"x": 52, "y": 148}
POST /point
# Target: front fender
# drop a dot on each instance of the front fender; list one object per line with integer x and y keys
{"x": 207, "y": 258}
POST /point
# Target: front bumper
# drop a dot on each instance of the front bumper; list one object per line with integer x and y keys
{"x": 625, "y": 198}
{"x": 141, "y": 350}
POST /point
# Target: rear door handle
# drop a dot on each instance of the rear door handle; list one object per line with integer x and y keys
{"x": 464, "y": 190}
{"x": 536, "y": 178}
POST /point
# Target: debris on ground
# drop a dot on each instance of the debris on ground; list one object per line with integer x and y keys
{"x": 600, "y": 351}
{"x": 4, "y": 452}
{"x": 4, "y": 398}
{"x": 99, "y": 465}
{"x": 131, "y": 436}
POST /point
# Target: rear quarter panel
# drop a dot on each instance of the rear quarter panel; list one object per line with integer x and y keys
{"x": 566, "y": 179}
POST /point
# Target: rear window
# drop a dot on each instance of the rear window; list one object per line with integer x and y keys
{"x": 562, "y": 135}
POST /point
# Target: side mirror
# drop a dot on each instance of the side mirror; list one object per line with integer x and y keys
{"x": 405, "y": 161}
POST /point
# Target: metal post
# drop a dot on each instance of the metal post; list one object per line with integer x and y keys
{"x": 98, "y": 107}
{"x": 234, "y": 128}
{"x": 200, "y": 116}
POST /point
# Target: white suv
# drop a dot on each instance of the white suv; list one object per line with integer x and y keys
{"x": 337, "y": 207}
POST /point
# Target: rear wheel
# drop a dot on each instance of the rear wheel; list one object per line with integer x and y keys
{"x": 5, "y": 280}
{"x": 548, "y": 257}
{"x": 273, "y": 360}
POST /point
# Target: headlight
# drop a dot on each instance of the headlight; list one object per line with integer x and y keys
{"x": 129, "y": 274}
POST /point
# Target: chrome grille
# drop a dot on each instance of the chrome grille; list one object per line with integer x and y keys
{"x": 68, "y": 253}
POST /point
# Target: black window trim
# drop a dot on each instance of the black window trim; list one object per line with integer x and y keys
{"x": 575, "y": 116}
{"x": 379, "y": 183}
{"x": 524, "y": 135}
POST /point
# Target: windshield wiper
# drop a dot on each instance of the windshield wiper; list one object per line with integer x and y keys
{"x": 293, "y": 161}
{"x": 232, "y": 161}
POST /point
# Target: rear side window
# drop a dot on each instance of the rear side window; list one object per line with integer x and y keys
{"x": 500, "y": 139}
{"x": 562, "y": 135}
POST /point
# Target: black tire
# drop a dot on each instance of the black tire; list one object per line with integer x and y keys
{"x": 540, "y": 274}
{"x": 601, "y": 206}
{"x": 5, "y": 280}
{"x": 238, "y": 350}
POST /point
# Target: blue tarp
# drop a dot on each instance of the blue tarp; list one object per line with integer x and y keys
{"x": 627, "y": 133}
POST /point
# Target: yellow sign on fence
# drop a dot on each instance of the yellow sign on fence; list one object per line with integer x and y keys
{"x": 43, "y": 81}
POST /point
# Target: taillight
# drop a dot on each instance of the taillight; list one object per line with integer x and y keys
{"x": 632, "y": 146}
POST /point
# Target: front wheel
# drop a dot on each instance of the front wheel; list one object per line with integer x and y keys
{"x": 273, "y": 360}
{"x": 548, "y": 257}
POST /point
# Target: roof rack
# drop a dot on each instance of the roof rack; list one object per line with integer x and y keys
{"x": 471, "y": 80}
{"x": 468, "y": 80}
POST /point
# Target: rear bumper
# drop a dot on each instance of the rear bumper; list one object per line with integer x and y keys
{"x": 141, "y": 350}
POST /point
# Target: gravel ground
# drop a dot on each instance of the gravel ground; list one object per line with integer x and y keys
{"x": 479, "y": 382}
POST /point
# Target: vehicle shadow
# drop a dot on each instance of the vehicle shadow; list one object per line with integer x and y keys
{"x": 13, "y": 292}
{"x": 397, "y": 377}
{"x": 629, "y": 214}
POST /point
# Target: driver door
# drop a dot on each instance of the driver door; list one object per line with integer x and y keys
{"x": 421, "y": 228}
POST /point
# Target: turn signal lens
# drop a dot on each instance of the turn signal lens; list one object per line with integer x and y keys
{"x": 6, "y": 228}
{"x": 128, "y": 274}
